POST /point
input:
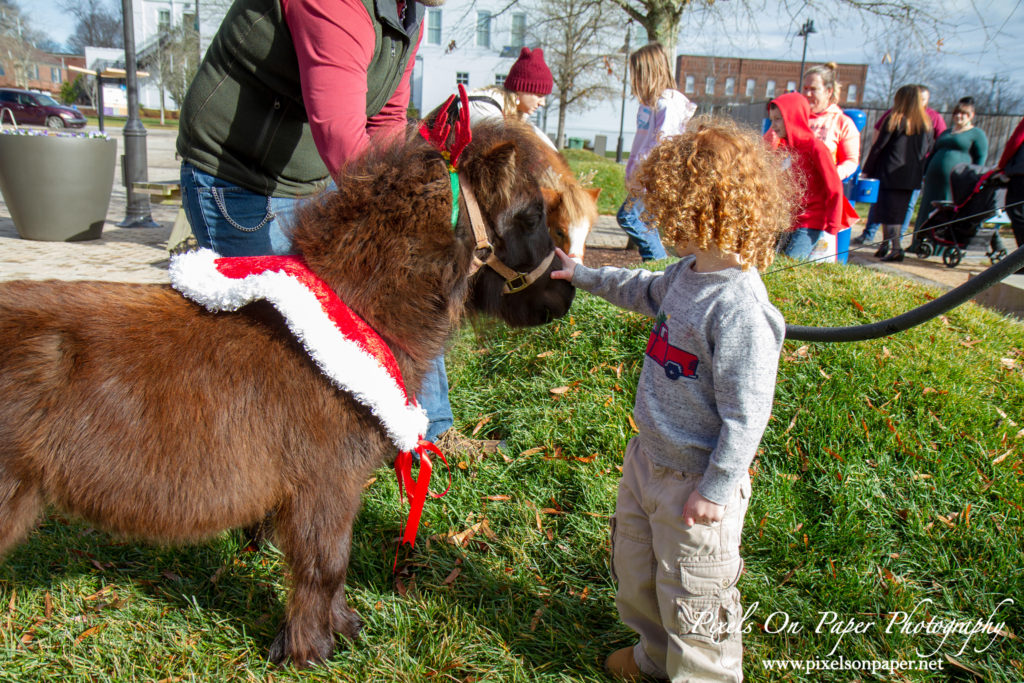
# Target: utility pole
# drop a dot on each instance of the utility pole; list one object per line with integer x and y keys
{"x": 805, "y": 30}
{"x": 135, "y": 166}
{"x": 625, "y": 81}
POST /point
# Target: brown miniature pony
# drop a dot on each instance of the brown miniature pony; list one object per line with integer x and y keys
{"x": 571, "y": 207}
{"x": 153, "y": 418}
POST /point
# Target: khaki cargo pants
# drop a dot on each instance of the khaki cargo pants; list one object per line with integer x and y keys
{"x": 677, "y": 584}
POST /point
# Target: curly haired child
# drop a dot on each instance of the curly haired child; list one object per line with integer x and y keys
{"x": 703, "y": 400}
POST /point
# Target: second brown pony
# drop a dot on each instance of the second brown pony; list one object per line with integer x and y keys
{"x": 154, "y": 419}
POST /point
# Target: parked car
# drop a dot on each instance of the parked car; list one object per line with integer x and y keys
{"x": 38, "y": 109}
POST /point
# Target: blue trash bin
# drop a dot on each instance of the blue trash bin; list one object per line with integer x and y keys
{"x": 860, "y": 119}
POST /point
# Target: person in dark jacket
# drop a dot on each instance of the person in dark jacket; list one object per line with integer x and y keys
{"x": 897, "y": 159}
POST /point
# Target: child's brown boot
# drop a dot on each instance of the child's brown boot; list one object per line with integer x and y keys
{"x": 622, "y": 664}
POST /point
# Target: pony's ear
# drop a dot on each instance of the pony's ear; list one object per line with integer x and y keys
{"x": 551, "y": 198}
{"x": 594, "y": 192}
{"x": 500, "y": 162}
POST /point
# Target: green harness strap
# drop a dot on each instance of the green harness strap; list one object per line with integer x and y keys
{"x": 455, "y": 195}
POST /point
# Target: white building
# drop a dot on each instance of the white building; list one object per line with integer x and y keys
{"x": 473, "y": 42}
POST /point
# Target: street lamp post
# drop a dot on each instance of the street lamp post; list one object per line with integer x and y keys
{"x": 622, "y": 112}
{"x": 137, "y": 212}
{"x": 805, "y": 30}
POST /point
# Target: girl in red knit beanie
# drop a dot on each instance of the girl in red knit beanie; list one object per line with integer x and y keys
{"x": 528, "y": 82}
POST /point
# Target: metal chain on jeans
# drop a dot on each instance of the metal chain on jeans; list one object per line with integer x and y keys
{"x": 218, "y": 197}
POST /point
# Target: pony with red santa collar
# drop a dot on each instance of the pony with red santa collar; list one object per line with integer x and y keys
{"x": 275, "y": 385}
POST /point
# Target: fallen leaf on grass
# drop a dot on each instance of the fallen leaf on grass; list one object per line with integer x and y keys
{"x": 970, "y": 344}
{"x": 168, "y": 574}
{"x": 857, "y": 305}
{"x": 532, "y": 451}
{"x": 929, "y": 390}
{"x": 451, "y": 576}
{"x": 30, "y": 634}
{"x": 824, "y": 374}
{"x": 1006, "y": 417}
{"x": 1009, "y": 363}
{"x": 963, "y": 667}
{"x": 545, "y": 354}
{"x": 501, "y": 497}
{"x": 632, "y": 424}
{"x": 480, "y": 424}
{"x": 47, "y": 605}
{"x": 886, "y": 353}
{"x": 90, "y": 632}
{"x": 921, "y": 476}
{"x": 1002, "y": 457}
{"x": 100, "y": 593}
{"x": 536, "y": 619}
{"x": 791, "y": 477}
{"x": 588, "y": 458}
{"x": 369, "y": 483}
{"x": 558, "y": 391}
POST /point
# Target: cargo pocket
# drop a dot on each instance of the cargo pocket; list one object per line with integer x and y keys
{"x": 708, "y": 608}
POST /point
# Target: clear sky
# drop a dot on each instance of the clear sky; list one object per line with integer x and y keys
{"x": 980, "y": 37}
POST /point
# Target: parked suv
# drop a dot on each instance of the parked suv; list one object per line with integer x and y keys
{"x": 39, "y": 109}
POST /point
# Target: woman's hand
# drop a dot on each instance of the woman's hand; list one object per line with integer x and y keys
{"x": 700, "y": 510}
{"x": 568, "y": 266}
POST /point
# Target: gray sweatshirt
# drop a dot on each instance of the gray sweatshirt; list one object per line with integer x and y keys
{"x": 708, "y": 379}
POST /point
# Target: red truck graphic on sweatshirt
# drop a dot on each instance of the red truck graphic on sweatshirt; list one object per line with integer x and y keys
{"x": 675, "y": 361}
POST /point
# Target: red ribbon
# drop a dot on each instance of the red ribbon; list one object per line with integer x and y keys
{"x": 417, "y": 489}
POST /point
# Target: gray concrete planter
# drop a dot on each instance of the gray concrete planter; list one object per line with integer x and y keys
{"x": 57, "y": 188}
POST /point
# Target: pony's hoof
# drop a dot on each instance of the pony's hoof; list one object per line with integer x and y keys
{"x": 348, "y": 623}
{"x": 284, "y": 649}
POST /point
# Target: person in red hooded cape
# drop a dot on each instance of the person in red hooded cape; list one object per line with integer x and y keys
{"x": 823, "y": 206}
{"x": 1011, "y": 164}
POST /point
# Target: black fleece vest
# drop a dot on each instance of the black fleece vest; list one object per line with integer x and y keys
{"x": 243, "y": 119}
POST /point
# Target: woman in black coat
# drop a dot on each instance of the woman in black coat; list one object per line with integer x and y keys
{"x": 897, "y": 160}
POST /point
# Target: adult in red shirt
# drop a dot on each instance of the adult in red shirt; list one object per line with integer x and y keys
{"x": 288, "y": 91}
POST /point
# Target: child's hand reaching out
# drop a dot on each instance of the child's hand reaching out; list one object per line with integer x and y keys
{"x": 699, "y": 509}
{"x": 568, "y": 267}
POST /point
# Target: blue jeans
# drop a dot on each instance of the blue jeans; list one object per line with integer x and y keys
{"x": 873, "y": 225}
{"x": 801, "y": 242}
{"x": 647, "y": 240}
{"x": 234, "y": 221}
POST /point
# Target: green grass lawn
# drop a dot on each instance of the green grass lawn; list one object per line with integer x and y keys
{"x": 889, "y": 479}
{"x": 608, "y": 175}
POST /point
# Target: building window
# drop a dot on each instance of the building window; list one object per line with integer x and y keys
{"x": 483, "y": 28}
{"x": 709, "y": 85}
{"x": 851, "y": 93}
{"x": 163, "y": 22}
{"x": 433, "y": 27}
{"x": 34, "y": 72}
{"x": 518, "y": 30}
{"x": 689, "y": 84}
{"x": 730, "y": 87}
{"x": 188, "y": 20}
{"x": 769, "y": 89}
{"x": 751, "y": 84}
{"x": 462, "y": 78}
{"x": 55, "y": 74}
{"x": 499, "y": 79}
{"x": 790, "y": 86}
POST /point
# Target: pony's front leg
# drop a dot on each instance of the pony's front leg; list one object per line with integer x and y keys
{"x": 315, "y": 534}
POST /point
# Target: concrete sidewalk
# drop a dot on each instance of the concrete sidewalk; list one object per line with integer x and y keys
{"x": 139, "y": 254}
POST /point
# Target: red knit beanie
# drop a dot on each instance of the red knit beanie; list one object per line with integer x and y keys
{"x": 530, "y": 73}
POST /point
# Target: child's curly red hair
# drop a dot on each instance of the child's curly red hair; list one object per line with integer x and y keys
{"x": 718, "y": 184}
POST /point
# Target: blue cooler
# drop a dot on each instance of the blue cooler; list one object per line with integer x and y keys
{"x": 860, "y": 119}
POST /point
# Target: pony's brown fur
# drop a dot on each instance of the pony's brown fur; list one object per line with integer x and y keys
{"x": 568, "y": 202}
{"x": 148, "y": 416}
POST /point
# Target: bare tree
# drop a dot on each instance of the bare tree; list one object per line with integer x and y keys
{"x": 661, "y": 18}
{"x": 578, "y": 36}
{"x": 173, "y": 63}
{"x": 98, "y": 24}
{"x": 901, "y": 63}
{"x": 18, "y": 40}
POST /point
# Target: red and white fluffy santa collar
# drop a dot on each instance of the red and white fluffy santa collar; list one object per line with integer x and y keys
{"x": 345, "y": 348}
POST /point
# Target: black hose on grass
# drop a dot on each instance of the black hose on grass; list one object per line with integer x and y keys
{"x": 916, "y": 316}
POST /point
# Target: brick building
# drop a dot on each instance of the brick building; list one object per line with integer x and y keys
{"x": 734, "y": 80}
{"x": 23, "y": 66}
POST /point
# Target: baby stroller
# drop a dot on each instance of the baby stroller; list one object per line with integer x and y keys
{"x": 954, "y": 226}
